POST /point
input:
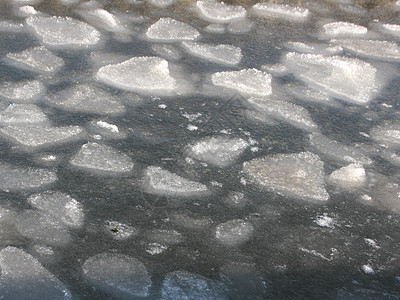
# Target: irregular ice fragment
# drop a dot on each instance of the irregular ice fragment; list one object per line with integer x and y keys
{"x": 120, "y": 231}
{"x": 344, "y": 29}
{"x": 215, "y": 28}
{"x": 298, "y": 175}
{"x": 234, "y": 232}
{"x": 106, "y": 130}
{"x": 10, "y": 26}
{"x": 367, "y": 269}
{"x": 281, "y": 11}
{"x": 103, "y": 19}
{"x": 161, "y": 3}
{"x": 239, "y": 26}
{"x": 169, "y": 52}
{"x": 349, "y": 177}
{"x": 325, "y": 221}
{"x": 164, "y": 236}
{"x": 28, "y": 91}
{"x": 219, "y": 12}
{"x": 118, "y": 275}
{"x": 314, "y": 48}
{"x": 385, "y": 196}
{"x": 161, "y": 182}
{"x": 21, "y": 114}
{"x": 387, "y": 134}
{"x": 23, "y": 277}
{"x": 223, "y": 54}
{"x": 170, "y": 30}
{"x": 392, "y": 29}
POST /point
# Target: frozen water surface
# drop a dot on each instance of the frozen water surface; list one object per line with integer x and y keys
{"x": 170, "y": 30}
{"x": 20, "y": 114}
{"x": 224, "y": 54}
{"x": 22, "y": 91}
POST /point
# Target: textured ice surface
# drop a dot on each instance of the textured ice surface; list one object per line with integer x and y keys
{"x": 314, "y": 48}
{"x": 20, "y": 114}
{"x": 220, "y": 12}
{"x": 103, "y": 19}
{"x": 386, "y": 196}
{"x": 106, "y": 130}
{"x": 63, "y": 32}
{"x": 343, "y": 29}
{"x": 23, "y": 277}
{"x": 387, "y": 134}
{"x": 120, "y": 276}
{"x": 218, "y": 150}
{"x": 34, "y": 137}
{"x": 185, "y": 285}
{"x": 215, "y": 28}
{"x": 308, "y": 94}
{"x": 284, "y": 111}
{"x": 349, "y": 177}
{"x": 17, "y": 178}
{"x": 120, "y": 231}
{"x": 240, "y": 26}
{"x": 37, "y": 59}
{"x": 281, "y": 11}
{"x": 162, "y": 182}
{"x": 387, "y": 28}
{"x": 22, "y": 91}
{"x": 26, "y": 11}
{"x": 249, "y": 82}
{"x": 383, "y": 50}
{"x": 87, "y": 98}
{"x": 169, "y": 52}
{"x": 95, "y": 157}
{"x": 141, "y": 74}
{"x": 161, "y": 3}
{"x": 10, "y": 26}
{"x": 164, "y": 236}
{"x": 59, "y": 206}
{"x": 223, "y": 54}
{"x": 234, "y": 232}
{"x": 170, "y": 30}
{"x": 236, "y": 200}
{"x": 299, "y": 175}
{"x": 348, "y": 79}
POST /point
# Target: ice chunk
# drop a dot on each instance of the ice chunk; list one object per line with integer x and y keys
{"x": 385, "y": 195}
{"x": 220, "y": 12}
{"x": 185, "y": 285}
{"x": 141, "y": 74}
{"x": 161, "y": 3}
{"x": 224, "y": 54}
{"x": 314, "y": 48}
{"x": 94, "y": 157}
{"x": 23, "y": 277}
{"x": 118, "y": 275}
{"x": 169, "y": 52}
{"x": 17, "y": 178}
{"x": 344, "y": 29}
{"x": 103, "y": 19}
{"x": 42, "y": 228}
{"x": 87, "y": 98}
{"x": 250, "y": 82}
{"x": 281, "y": 11}
{"x": 239, "y": 26}
{"x": 170, "y": 30}
{"x": 236, "y": 200}
{"x": 59, "y": 206}
{"x": 68, "y": 2}
{"x": 218, "y": 150}
{"x": 36, "y": 59}
{"x": 234, "y": 232}
{"x": 308, "y": 94}
{"x": 275, "y": 69}
{"x": 287, "y": 112}
{"x": 348, "y": 79}
{"x": 99, "y": 58}
{"x": 392, "y": 29}
{"x": 299, "y": 175}
{"x": 349, "y": 177}
{"x": 325, "y": 221}
{"x": 26, "y": 11}
{"x": 120, "y": 231}
{"x": 367, "y": 269}
{"x": 387, "y": 134}
{"x": 106, "y": 130}
{"x": 164, "y": 236}
{"x": 20, "y": 114}
{"x": 10, "y": 26}
{"x": 34, "y": 137}
{"x": 63, "y": 32}
{"x": 383, "y": 50}
{"x": 215, "y": 28}
{"x": 161, "y": 182}
{"x": 22, "y": 91}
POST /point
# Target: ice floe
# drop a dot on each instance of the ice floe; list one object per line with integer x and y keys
{"x": 106, "y": 130}
{"x": 349, "y": 177}
{"x": 281, "y": 11}
{"x": 161, "y": 3}
{"x": 298, "y": 175}
{"x": 22, "y": 114}
{"x": 314, "y": 48}
{"x": 27, "y": 91}
{"x": 103, "y": 19}
{"x": 387, "y": 134}
{"x": 223, "y": 54}
{"x": 343, "y": 29}
{"x": 190, "y": 222}
{"x": 171, "y": 30}
{"x": 219, "y": 12}
{"x": 10, "y": 26}
{"x": 164, "y": 236}
{"x": 234, "y": 232}
{"x": 387, "y": 28}
{"x": 169, "y": 52}
{"x": 120, "y": 231}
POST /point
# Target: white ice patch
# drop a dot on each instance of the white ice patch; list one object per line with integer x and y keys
{"x": 343, "y": 29}
{"x": 367, "y": 269}
{"x": 10, "y": 26}
{"x": 97, "y": 158}
{"x": 161, "y": 3}
{"x": 249, "y": 82}
{"x": 349, "y": 177}
{"x": 219, "y": 12}
{"x": 164, "y": 236}
{"x": 348, "y": 79}
{"x": 387, "y": 134}
{"x": 26, "y": 11}
{"x": 275, "y": 69}
{"x": 218, "y": 150}
{"x": 391, "y": 29}
{"x": 63, "y": 32}
{"x": 234, "y": 232}
{"x": 215, "y": 28}
{"x": 281, "y": 11}
{"x": 103, "y": 19}
{"x": 169, "y": 52}
{"x": 240, "y": 26}
{"x": 223, "y": 54}
{"x": 314, "y": 48}
{"x": 27, "y": 91}
{"x": 23, "y": 277}
{"x": 164, "y": 183}
{"x": 371, "y": 242}
{"x": 299, "y": 175}
{"x": 22, "y": 114}
{"x": 37, "y": 59}
{"x": 325, "y": 221}
{"x": 106, "y": 130}
{"x": 121, "y": 276}
{"x": 171, "y": 30}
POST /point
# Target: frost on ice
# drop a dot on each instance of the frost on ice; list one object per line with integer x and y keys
{"x": 161, "y": 182}
{"x": 27, "y": 91}
{"x": 218, "y": 150}
{"x": 219, "y": 12}
{"x": 298, "y": 175}
{"x": 234, "y": 232}
{"x": 23, "y": 277}
{"x": 118, "y": 275}
{"x": 171, "y": 30}
{"x": 281, "y": 11}
{"x": 63, "y": 32}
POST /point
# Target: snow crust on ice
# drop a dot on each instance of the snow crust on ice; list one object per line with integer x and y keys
{"x": 28, "y": 91}
{"x": 223, "y": 54}
{"x": 21, "y": 114}
{"x": 299, "y": 175}
{"x": 64, "y": 32}
{"x": 24, "y": 277}
{"x": 219, "y": 12}
{"x": 234, "y": 232}
{"x": 349, "y": 177}
{"x": 344, "y": 29}
{"x": 281, "y": 11}
{"x": 171, "y": 30}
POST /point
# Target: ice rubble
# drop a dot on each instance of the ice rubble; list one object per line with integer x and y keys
{"x": 28, "y": 91}
{"x": 16, "y": 178}
{"x": 118, "y": 275}
{"x": 343, "y": 29}
{"x": 37, "y": 59}
{"x": 348, "y": 79}
{"x": 234, "y": 232}
{"x": 349, "y": 177}
{"x": 87, "y": 98}
{"x": 59, "y": 206}
{"x": 218, "y": 150}
{"x": 298, "y": 175}
{"x": 98, "y": 158}
{"x": 219, "y": 12}
{"x": 171, "y": 30}
{"x": 22, "y": 114}
{"x": 140, "y": 74}
{"x": 281, "y": 11}
{"x": 63, "y": 32}
{"x": 223, "y": 54}
{"x": 249, "y": 82}
{"x": 161, "y": 3}
{"x": 185, "y": 285}
{"x": 164, "y": 183}
{"x": 23, "y": 277}
{"x": 34, "y": 137}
